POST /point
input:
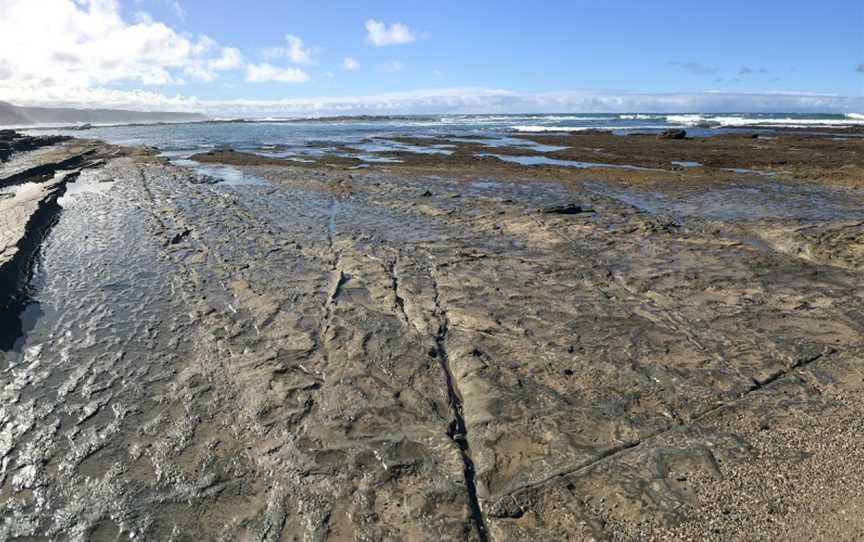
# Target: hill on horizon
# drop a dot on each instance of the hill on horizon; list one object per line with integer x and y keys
{"x": 13, "y": 115}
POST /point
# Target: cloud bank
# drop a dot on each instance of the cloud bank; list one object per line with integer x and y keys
{"x": 469, "y": 100}
{"x": 87, "y": 44}
{"x": 441, "y": 101}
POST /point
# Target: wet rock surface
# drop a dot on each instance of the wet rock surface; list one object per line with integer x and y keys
{"x": 12, "y": 142}
{"x": 31, "y": 183}
{"x": 395, "y": 355}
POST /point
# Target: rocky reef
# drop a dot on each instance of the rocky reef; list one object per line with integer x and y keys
{"x": 431, "y": 350}
{"x": 34, "y": 172}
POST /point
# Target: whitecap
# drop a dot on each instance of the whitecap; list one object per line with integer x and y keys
{"x": 706, "y": 121}
{"x": 639, "y": 116}
{"x": 534, "y": 128}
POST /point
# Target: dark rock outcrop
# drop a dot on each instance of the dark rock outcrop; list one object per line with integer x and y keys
{"x": 12, "y": 141}
{"x": 566, "y": 209}
{"x": 675, "y": 133}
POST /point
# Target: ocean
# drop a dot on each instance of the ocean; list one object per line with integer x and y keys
{"x": 310, "y": 137}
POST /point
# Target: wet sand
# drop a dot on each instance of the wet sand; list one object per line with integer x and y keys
{"x": 448, "y": 347}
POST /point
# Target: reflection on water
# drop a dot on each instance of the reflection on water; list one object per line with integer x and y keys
{"x": 88, "y": 184}
{"x": 383, "y": 145}
{"x": 27, "y": 321}
{"x": 225, "y": 174}
{"x": 545, "y": 161}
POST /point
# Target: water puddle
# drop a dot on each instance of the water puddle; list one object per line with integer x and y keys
{"x": 747, "y": 171}
{"x": 546, "y": 161}
{"x": 227, "y": 175}
{"x": 505, "y": 141}
{"x": 28, "y": 319}
{"x": 372, "y": 159}
{"x": 294, "y": 153}
{"x": 686, "y": 163}
{"x": 300, "y": 160}
{"x": 88, "y": 184}
{"x": 383, "y": 145}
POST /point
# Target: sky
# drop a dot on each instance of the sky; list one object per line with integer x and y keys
{"x": 296, "y": 57}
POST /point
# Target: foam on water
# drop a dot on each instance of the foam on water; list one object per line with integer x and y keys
{"x": 538, "y": 129}
{"x": 226, "y": 174}
{"x": 312, "y": 137}
{"x": 546, "y": 161}
{"x": 640, "y": 116}
{"x": 852, "y": 119}
{"x": 606, "y": 128}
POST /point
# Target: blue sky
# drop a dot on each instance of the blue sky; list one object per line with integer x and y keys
{"x": 182, "y": 52}
{"x": 648, "y": 46}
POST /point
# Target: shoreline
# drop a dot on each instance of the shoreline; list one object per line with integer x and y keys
{"x": 854, "y": 126}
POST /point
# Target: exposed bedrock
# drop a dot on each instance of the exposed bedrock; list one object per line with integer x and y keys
{"x": 390, "y": 355}
{"x": 31, "y": 184}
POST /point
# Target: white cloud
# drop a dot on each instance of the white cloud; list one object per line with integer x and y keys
{"x": 350, "y": 64}
{"x": 263, "y": 73}
{"x": 433, "y": 101}
{"x": 380, "y": 34}
{"x": 205, "y": 71}
{"x": 329, "y": 75}
{"x": 294, "y": 50}
{"x": 87, "y": 43}
{"x": 200, "y": 73}
{"x": 478, "y": 100}
{"x": 178, "y": 10}
{"x": 392, "y": 67}
{"x": 436, "y": 101}
{"x": 230, "y": 59}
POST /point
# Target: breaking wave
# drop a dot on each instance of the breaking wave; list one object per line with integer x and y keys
{"x": 708, "y": 121}
{"x": 641, "y": 116}
{"x": 531, "y": 129}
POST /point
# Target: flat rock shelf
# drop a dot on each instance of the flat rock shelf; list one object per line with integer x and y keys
{"x": 403, "y": 354}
